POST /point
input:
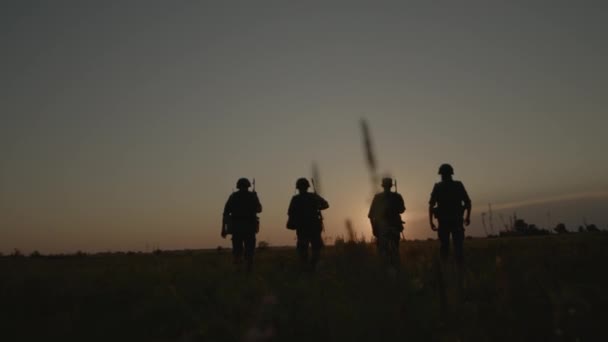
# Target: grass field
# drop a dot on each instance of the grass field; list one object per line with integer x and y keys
{"x": 538, "y": 288}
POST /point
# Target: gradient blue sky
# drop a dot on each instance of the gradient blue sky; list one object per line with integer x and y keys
{"x": 126, "y": 124}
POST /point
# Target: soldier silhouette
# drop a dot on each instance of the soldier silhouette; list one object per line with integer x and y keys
{"x": 304, "y": 216}
{"x": 448, "y": 204}
{"x": 385, "y": 218}
{"x": 240, "y": 220}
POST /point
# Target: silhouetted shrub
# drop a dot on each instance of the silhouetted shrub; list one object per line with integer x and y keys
{"x": 560, "y": 228}
{"x": 80, "y": 254}
{"x": 521, "y": 228}
{"x": 35, "y": 254}
{"x": 339, "y": 241}
{"x": 263, "y": 245}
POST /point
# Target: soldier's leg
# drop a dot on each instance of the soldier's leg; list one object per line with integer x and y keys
{"x": 249, "y": 242}
{"x": 316, "y": 245}
{"x": 458, "y": 241}
{"x": 444, "y": 240}
{"x": 383, "y": 241}
{"x": 395, "y": 239}
{"x": 395, "y": 248}
{"x": 237, "y": 247}
{"x": 302, "y": 246}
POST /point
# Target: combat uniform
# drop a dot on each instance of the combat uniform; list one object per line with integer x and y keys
{"x": 240, "y": 212}
{"x": 449, "y": 199}
{"x": 305, "y": 217}
{"x": 385, "y": 215}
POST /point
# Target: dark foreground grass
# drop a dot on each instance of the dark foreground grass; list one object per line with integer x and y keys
{"x": 541, "y": 289}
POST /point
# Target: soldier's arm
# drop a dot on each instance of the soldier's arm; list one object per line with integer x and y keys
{"x": 291, "y": 207}
{"x": 228, "y": 206}
{"x": 372, "y": 208}
{"x": 372, "y": 215}
{"x": 225, "y": 215}
{"x": 432, "y": 203}
{"x": 401, "y": 204}
{"x": 322, "y": 203}
{"x": 467, "y": 205}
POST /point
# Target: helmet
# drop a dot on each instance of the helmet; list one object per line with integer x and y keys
{"x": 446, "y": 169}
{"x": 302, "y": 183}
{"x": 387, "y": 182}
{"x": 243, "y": 183}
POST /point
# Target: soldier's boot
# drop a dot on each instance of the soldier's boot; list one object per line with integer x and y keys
{"x": 306, "y": 263}
{"x": 314, "y": 260}
{"x": 303, "y": 254}
{"x": 249, "y": 265}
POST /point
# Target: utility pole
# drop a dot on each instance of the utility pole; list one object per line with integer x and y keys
{"x": 491, "y": 218}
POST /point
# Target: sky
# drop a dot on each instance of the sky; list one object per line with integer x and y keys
{"x": 126, "y": 124}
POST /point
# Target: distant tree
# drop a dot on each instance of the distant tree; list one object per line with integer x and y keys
{"x": 35, "y": 254}
{"x": 592, "y": 228}
{"x": 520, "y": 226}
{"x": 534, "y": 230}
{"x": 16, "y": 253}
{"x": 560, "y": 228}
{"x": 262, "y": 245}
{"x": 581, "y": 229}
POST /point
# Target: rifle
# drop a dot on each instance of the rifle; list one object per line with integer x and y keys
{"x": 314, "y": 190}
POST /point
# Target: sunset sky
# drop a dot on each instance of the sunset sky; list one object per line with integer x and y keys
{"x": 126, "y": 126}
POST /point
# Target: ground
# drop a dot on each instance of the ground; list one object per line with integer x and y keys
{"x": 510, "y": 289}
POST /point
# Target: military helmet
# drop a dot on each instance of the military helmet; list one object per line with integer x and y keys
{"x": 302, "y": 183}
{"x": 243, "y": 183}
{"x": 387, "y": 182}
{"x": 446, "y": 169}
